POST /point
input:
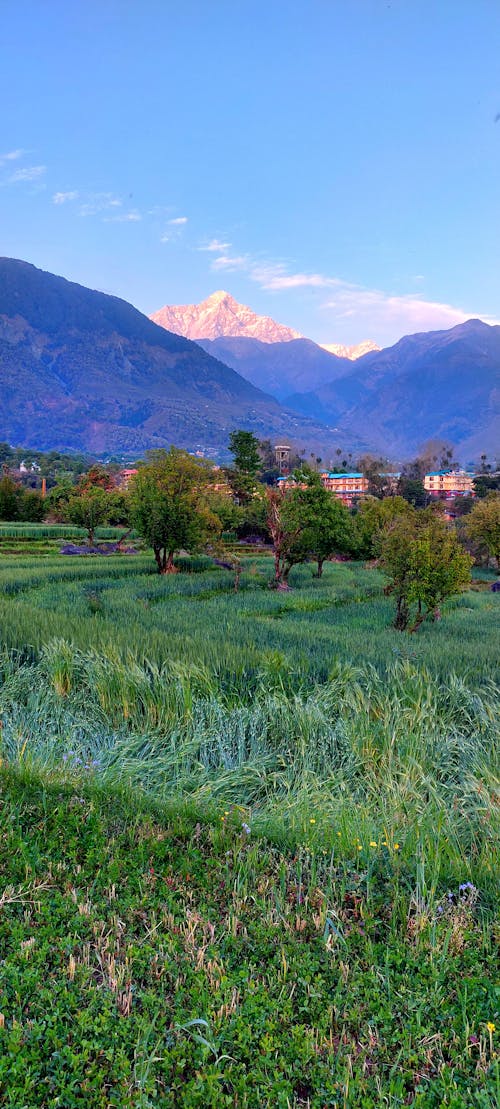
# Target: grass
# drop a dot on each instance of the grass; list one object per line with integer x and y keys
{"x": 166, "y": 957}
{"x": 250, "y": 841}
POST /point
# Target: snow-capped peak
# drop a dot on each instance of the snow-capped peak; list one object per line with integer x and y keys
{"x": 221, "y": 315}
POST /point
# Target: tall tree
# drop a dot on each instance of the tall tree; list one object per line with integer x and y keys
{"x": 169, "y": 505}
{"x": 247, "y": 461}
{"x": 244, "y": 448}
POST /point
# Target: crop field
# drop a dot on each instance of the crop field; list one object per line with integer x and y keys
{"x": 251, "y": 838}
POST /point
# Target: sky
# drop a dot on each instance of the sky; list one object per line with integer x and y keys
{"x": 334, "y": 164}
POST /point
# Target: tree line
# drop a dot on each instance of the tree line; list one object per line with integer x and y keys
{"x": 178, "y": 502}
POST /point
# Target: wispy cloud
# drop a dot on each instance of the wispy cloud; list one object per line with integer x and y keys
{"x": 65, "y": 198}
{"x": 124, "y": 217}
{"x": 399, "y": 314}
{"x": 215, "y": 246}
{"x": 27, "y": 173}
{"x": 96, "y": 203}
{"x": 11, "y": 156}
{"x": 174, "y": 229}
{"x": 380, "y": 314}
{"x": 230, "y": 262}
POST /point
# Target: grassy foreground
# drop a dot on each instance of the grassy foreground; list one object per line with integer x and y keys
{"x": 249, "y": 843}
{"x": 167, "y": 958}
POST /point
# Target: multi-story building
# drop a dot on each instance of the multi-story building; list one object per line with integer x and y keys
{"x": 345, "y": 486}
{"x": 449, "y": 483}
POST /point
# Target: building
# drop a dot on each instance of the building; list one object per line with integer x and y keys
{"x": 449, "y": 483}
{"x": 345, "y": 486}
{"x": 124, "y": 478}
{"x": 282, "y": 456}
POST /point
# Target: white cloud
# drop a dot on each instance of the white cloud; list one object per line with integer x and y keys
{"x": 215, "y": 246}
{"x": 276, "y": 278}
{"x": 27, "y": 173}
{"x": 63, "y": 198}
{"x": 99, "y": 202}
{"x": 124, "y": 217}
{"x": 230, "y": 262}
{"x": 178, "y": 221}
{"x": 375, "y": 313}
{"x": 11, "y": 156}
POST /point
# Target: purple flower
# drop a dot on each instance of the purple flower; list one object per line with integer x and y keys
{"x": 246, "y": 829}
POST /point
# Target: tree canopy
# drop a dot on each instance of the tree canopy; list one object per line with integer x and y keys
{"x": 169, "y": 505}
{"x": 483, "y": 525}
{"x": 425, "y": 564}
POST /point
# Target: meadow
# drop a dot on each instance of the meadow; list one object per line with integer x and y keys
{"x": 250, "y": 839}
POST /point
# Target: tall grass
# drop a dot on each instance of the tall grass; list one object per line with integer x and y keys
{"x": 363, "y": 759}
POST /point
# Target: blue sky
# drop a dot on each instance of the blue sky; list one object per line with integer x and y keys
{"x": 333, "y": 163}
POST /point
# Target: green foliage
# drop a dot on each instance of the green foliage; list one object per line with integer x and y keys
{"x": 9, "y": 498}
{"x": 425, "y": 563}
{"x": 483, "y": 525}
{"x": 17, "y": 503}
{"x": 169, "y": 506}
{"x": 372, "y": 518}
{"x": 91, "y": 508}
{"x": 171, "y": 958}
{"x": 249, "y": 843}
{"x": 245, "y": 450}
{"x": 327, "y": 525}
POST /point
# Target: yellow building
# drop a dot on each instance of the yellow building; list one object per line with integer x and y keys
{"x": 345, "y": 486}
{"x": 449, "y": 483}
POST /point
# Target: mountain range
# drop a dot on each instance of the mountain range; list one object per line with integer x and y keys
{"x": 83, "y": 370}
{"x": 441, "y": 384}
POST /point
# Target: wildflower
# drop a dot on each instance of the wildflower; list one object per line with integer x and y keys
{"x": 246, "y": 829}
{"x": 373, "y": 843}
{"x": 338, "y": 833}
{"x": 312, "y": 820}
{"x": 396, "y": 846}
{"x": 490, "y": 1026}
{"x": 359, "y": 847}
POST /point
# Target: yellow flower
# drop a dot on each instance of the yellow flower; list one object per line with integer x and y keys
{"x": 312, "y": 820}
{"x": 373, "y": 844}
{"x": 338, "y": 833}
{"x": 359, "y": 847}
{"x": 490, "y": 1026}
{"x": 396, "y": 846}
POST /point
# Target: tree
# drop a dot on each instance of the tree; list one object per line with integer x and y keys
{"x": 31, "y": 506}
{"x": 413, "y": 490}
{"x": 285, "y": 523}
{"x": 326, "y": 523}
{"x": 169, "y": 505}
{"x": 90, "y": 509}
{"x": 425, "y": 564}
{"x": 97, "y": 477}
{"x": 245, "y": 450}
{"x": 10, "y": 497}
{"x": 483, "y": 525}
{"x": 372, "y": 518}
{"x": 242, "y": 475}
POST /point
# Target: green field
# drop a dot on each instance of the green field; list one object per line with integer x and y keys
{"x": 326, "y": 957}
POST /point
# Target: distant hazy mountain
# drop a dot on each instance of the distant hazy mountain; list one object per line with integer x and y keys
{"x": 439, "y": 384}
{"x": 83, "y": 370}
{"x": 220, "y": 314}
{"x": 279, "y": 368}
{"x": 351, "y": 352}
